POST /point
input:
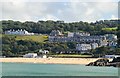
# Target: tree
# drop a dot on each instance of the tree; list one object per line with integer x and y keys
{"x": 118, "y": 35}
{"x": 117, "y": 51}
{"x": 101, "y": 51}
{"x": 57, "y": 49}
{"x": 71, "y": 45}
{"x": 45, "y": 27}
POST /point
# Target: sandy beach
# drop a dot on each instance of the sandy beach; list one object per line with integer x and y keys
{"x": 50, "y": 60}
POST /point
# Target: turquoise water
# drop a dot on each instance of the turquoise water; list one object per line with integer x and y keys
{"x": 0, "y": 70}
{"x": 32, "y": 69}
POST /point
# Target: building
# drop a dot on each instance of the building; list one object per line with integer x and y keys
{"x": 86, "y": 47}
{"x": 70, "y": 34}
{"x": 83, "y": 48}
{"x": 81, "y": 39}
{"x": 94, "y": 45}
{"x": 112, "y": 43}
{"x": 77, "y": 34}
{"x": 85, "y": 41}
{"x": 112, "y": 40}
{"x": 55, "y": 33}
{"x": 43, "y": 51}
{"x": 18, "y": 32}
{"x": 111, "y": 37}
{"x": 30, "y": 55}
{"x": 111, "y": 56}
{"x": 55, "y": 36}
{"x": 103, "y": 43}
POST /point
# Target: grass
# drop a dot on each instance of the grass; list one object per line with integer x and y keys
{"x": 0, "y": 35}
{"x": 71, "y": 56}
{"x": 110, "y": 29}
{"x": 36, "y": 38}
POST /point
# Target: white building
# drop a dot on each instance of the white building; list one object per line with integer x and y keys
{"x": 70, "y": 34}
{"x": 111, "y": 56}
{"x": 83, "y": 47}
{"x": 81, "y": 34}
{"x": 30, "y": 55}
{"x": 111, "y": 37}
{"x": 103, "y": 43}
{"x": 43, "y": 51}
{"x": 18, "y": 32}
{"x": 94, "y": 45}
{"x": 56, "y": 33}
{"x": 75, "y": 34}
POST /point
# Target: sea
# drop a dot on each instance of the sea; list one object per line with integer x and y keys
{"x": 35, "y": 69}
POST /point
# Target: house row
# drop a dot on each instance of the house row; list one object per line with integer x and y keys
{"x": 18, "y": 32}
{"x": 77, "y": 37}
{"x": 84, "y": 40}
{"x": 81, "y": 39}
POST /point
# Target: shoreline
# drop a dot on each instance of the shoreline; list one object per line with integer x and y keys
{"x": 82, "y": 61}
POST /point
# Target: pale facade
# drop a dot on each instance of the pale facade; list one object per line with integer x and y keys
{"x": 30, "y": 55}
{"x": 83, "y": 47}
{"x": 18, "y": 32}
{"x": 94, "y": 45}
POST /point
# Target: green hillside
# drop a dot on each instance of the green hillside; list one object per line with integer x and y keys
{"x": 36, "y": 38}
{"x": 110, "y": 29}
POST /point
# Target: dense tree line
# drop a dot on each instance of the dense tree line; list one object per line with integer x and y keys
{"x": 12, "y": 47}
{"x": 45, "y": 27}
{"x": 101, "y": 51}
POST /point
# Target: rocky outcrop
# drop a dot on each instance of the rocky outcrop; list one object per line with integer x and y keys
{"x": 99, "y": 62}
{"x": 104, "y": 62}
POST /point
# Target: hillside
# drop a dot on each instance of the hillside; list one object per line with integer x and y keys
{"x": 36, "y": 38}
{"x": 110, "y": 29}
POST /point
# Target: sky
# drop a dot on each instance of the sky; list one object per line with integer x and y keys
{"x": 66, "y": 10}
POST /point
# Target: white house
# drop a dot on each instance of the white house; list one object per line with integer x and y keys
{"x": 43, "y": 51}
{"x": 18, "y": 32}
{"x": 81, "y": 34}
{"x": 111, "y": 37}
{"x": 55, "y": 33}
{"x": 30, "y": 55}
{"x": 70, "y": 34}
{"x": 83, "y": 47}
{"x": 94, "y": 45}
{"x": 103, "y": 43}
